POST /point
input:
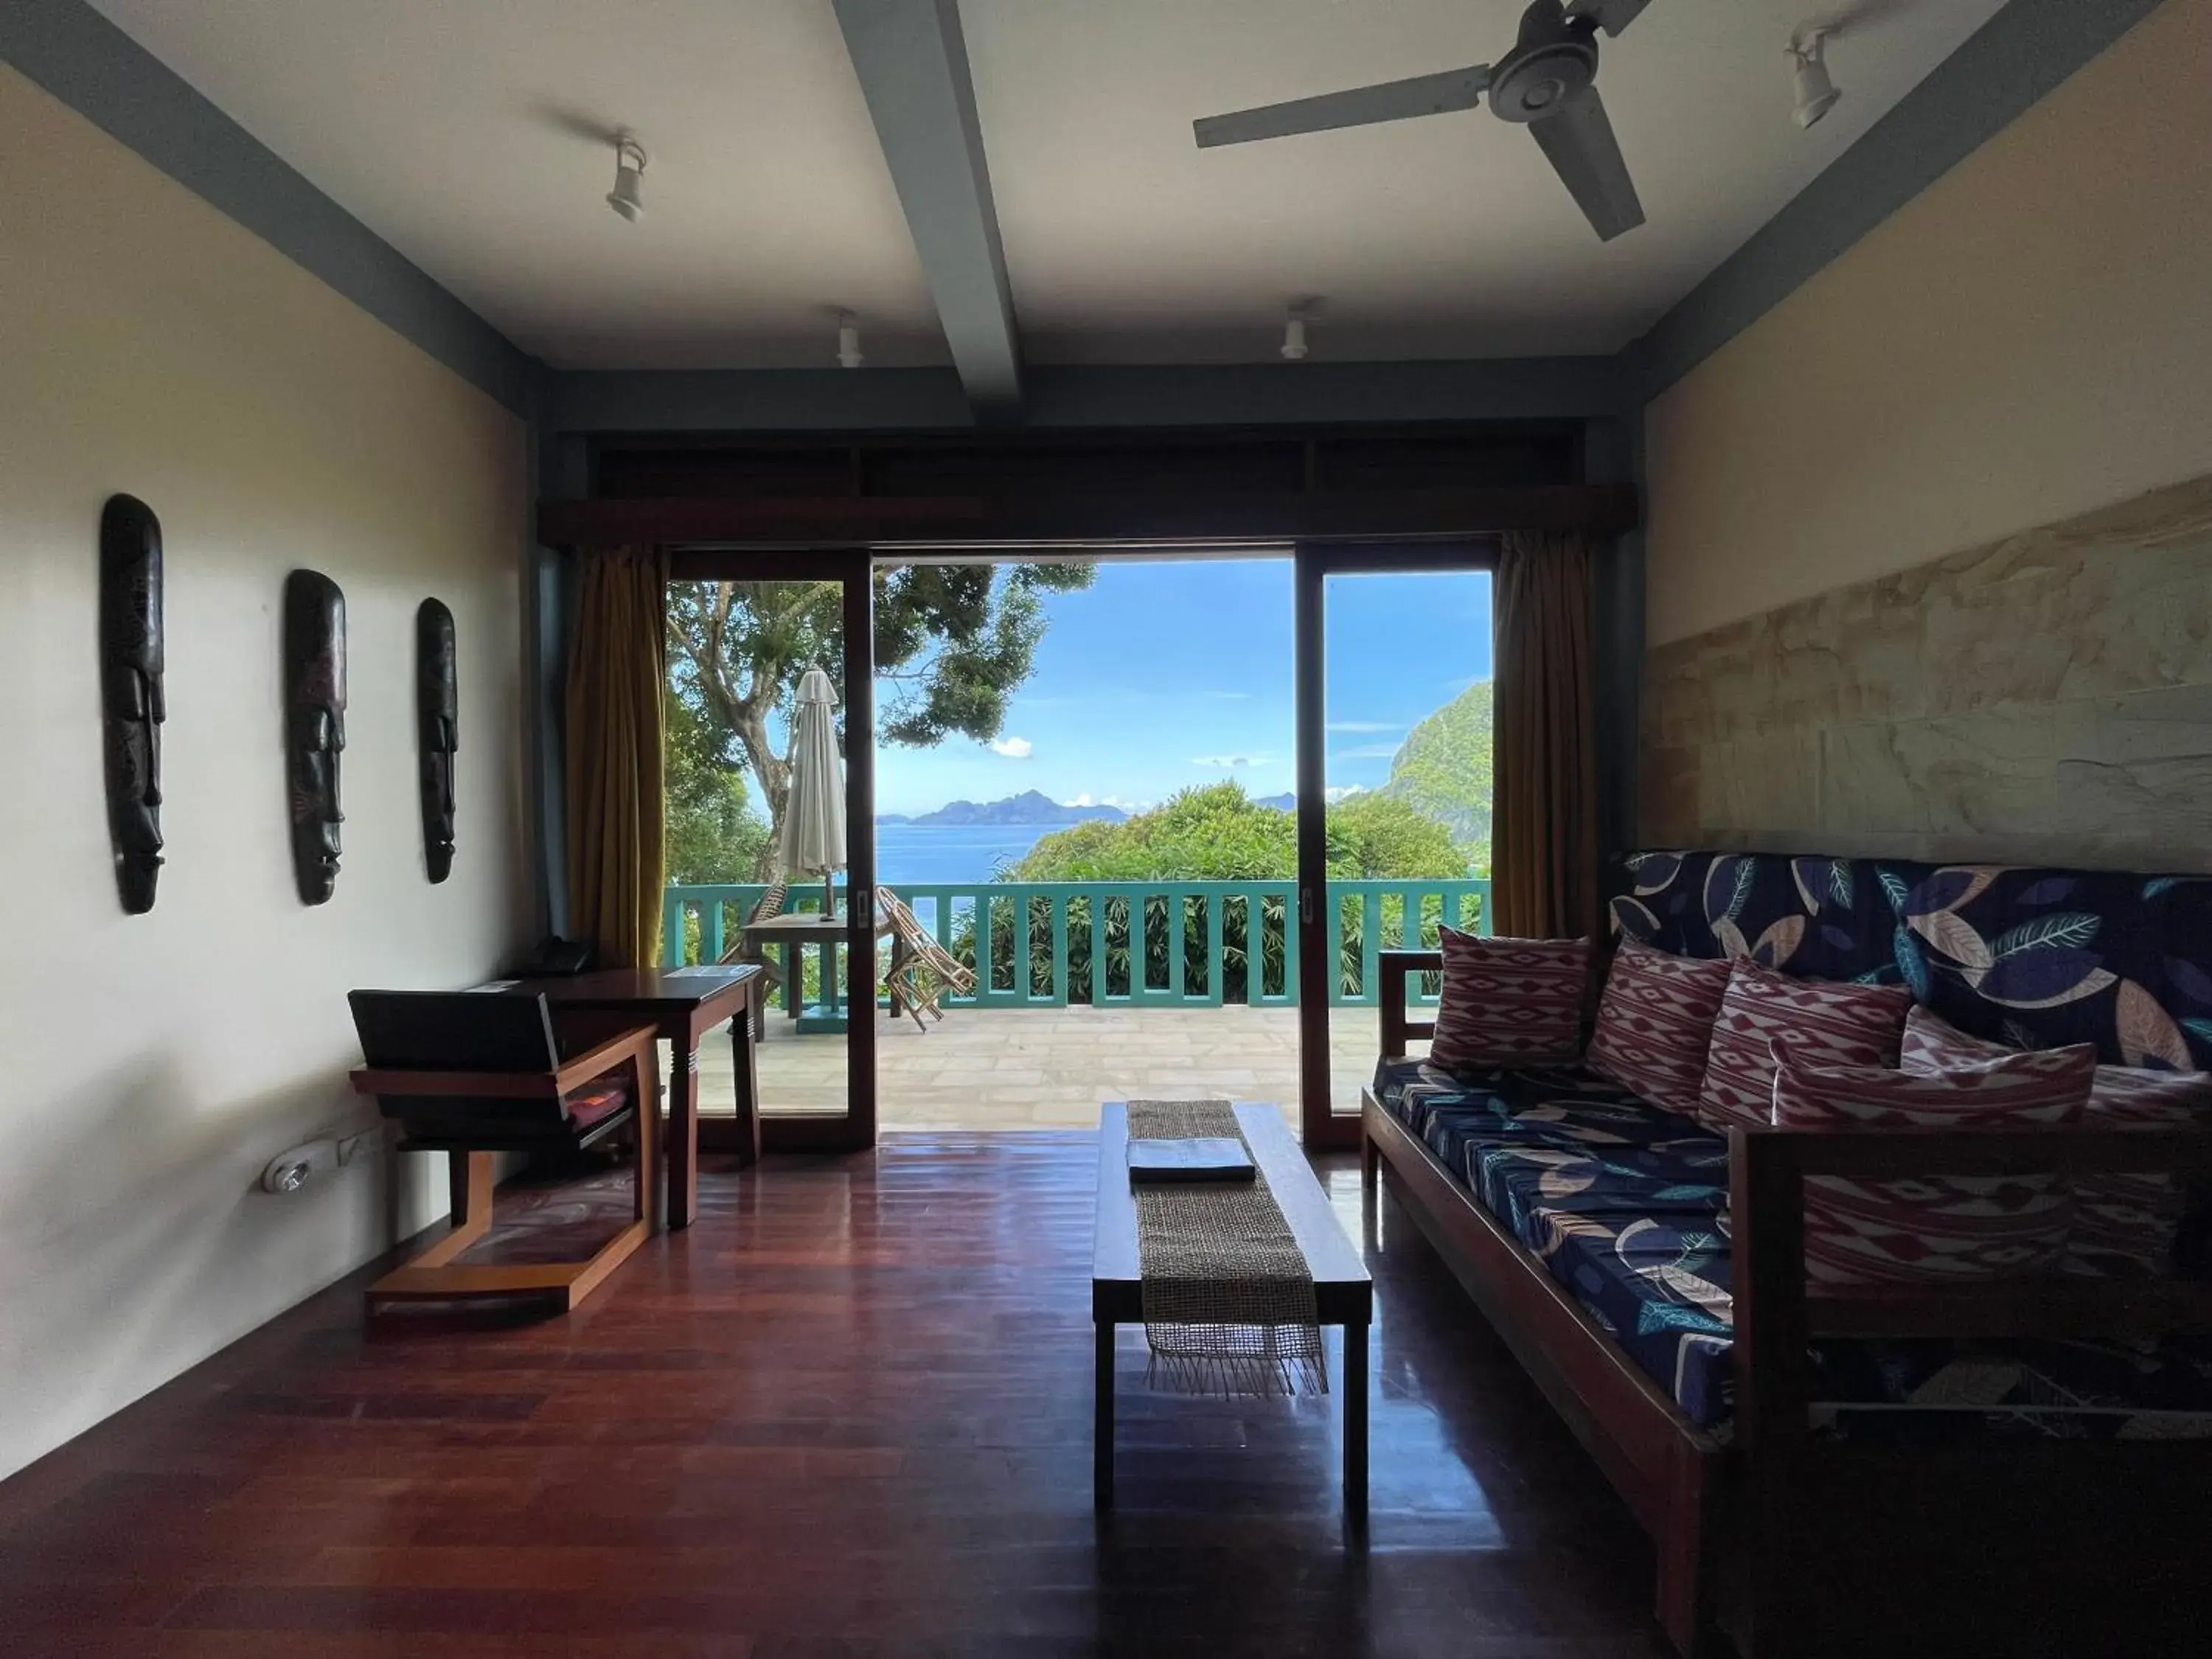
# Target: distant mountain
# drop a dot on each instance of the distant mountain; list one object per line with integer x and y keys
{"x": 1443, "y": 766}
{"x": 1282, "y": 803}
{"x": 1029, "y": 807}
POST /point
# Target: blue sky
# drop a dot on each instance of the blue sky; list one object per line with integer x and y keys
{"x": 1165, "y": 674}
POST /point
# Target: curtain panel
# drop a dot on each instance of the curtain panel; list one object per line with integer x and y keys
{"x": 1544, "y": 879}
{"x": 617, "y": 675}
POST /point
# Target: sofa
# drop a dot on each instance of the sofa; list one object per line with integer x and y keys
{"x": 2016, "y": 1465}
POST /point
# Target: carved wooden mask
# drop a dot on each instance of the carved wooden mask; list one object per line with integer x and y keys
{"x": 132, "y": 706}
{"x": 437, "y": 708}
{"x": 314, "y": 726}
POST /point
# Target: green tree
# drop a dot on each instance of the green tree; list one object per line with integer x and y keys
{"x": 1444, "y": 770}
{"x": 953, "y": 642}
{"x": 1215, "y": 832}
{"x": 714, "y": 833}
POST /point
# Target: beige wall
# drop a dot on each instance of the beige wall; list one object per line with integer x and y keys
{"x": 2028, "y": 339}
{"x": 153, "y": 1064}
{"x": 2045, "y": 699}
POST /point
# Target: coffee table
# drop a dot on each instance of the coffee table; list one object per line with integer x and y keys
{"x": 1343, "y": 1292}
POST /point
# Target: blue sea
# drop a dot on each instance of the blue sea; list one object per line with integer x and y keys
{"x": 922, "y": 853}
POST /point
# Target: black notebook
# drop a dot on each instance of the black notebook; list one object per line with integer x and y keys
{"x": 1188, "y": 1159}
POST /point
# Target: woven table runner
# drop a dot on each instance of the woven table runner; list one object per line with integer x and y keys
{"x": 1228, "y": 1298}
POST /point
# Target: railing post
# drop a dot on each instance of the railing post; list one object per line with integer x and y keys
{"x": 984, "y": 987}
{"x": 1256, "y": 945}
{"x": 1175, "y": 924}
{"x": 1370, "y": 941}
{"x": 1056, "y": 905}
{"x": 710, "y": 929}
{"x": 1097, "y": 948}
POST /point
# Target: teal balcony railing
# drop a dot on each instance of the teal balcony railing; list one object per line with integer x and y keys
{"x": 1166, "y": 944}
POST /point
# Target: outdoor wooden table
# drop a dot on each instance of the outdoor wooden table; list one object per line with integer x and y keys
{"x": 795, "y": 930}
{"x": 1343, "y": 1293}
{"x": 681, "y": 1005}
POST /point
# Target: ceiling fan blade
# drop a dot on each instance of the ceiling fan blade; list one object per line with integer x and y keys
{"x": 1389, "y": 100}
{"x": 1613, "y": 15}
{"x": 1578, "y": 142}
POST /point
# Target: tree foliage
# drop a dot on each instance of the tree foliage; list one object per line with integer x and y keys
{"x": 952, "y": 643}
{"x": 1216, "y": 832}
{"x": 1443, "y": 769}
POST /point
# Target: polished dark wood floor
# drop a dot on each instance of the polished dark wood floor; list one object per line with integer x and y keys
{"x": 846, "y": 1414}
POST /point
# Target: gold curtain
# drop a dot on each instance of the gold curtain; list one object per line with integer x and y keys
{"x": 1544, "y": 876}
{"x": 618, "y": 673}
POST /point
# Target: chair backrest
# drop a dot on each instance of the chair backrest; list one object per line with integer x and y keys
{"x": 455, "y": 1031}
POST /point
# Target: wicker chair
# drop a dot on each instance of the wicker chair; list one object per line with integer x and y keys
{"x": 923, "y": 970}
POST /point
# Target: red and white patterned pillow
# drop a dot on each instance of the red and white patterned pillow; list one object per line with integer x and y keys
{"x": 2124, "y": 1225}
{"x": 1510, "y": 1001}
{"x": 1950, "y": 1230}
{"x": 1655, "y": 1022}
{"x": 1828, "y": 1023}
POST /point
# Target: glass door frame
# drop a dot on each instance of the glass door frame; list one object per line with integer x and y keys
{"x": 1321, "y": 1127}
{"x": 854, "y": 570}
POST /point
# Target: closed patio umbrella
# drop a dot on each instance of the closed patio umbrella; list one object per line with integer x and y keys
{"x": 814, "y": 810}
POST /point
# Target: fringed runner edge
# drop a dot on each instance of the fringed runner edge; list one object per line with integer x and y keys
{"x": 1227, "y": 1294}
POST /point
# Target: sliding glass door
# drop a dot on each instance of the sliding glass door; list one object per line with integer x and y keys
{"x": 771, "y": 848}
{"x": 1393, "y": 706}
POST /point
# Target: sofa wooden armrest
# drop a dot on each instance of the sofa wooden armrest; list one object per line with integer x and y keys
{"x": 1392, "y": 970}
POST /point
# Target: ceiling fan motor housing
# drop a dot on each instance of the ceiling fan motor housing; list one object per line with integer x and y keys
{"x": 1554, "y": 59}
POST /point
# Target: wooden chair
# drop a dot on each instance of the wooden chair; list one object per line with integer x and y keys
{"x": 748, "y": 948}
{"x": 474, "y": 1073}
{"x": 921, "y": 970}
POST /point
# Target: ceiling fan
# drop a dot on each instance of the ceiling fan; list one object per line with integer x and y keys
{"x": 1548, "y": 82}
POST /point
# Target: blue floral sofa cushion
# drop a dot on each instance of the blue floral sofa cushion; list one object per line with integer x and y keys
{"x": 1624, "y": 1205}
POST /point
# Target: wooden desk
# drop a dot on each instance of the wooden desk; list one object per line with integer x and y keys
{"x": 681, "y": 1005}
{"x": 1343, "y": 1293}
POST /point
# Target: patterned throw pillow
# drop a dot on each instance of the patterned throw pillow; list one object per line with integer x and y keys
{"x": 1925, "y": 1230}
{"x": 1509, "y": 1000}
{"x": 1828, "y": 1023}
{"x": 1655, "y": 1022}
{"x": 2125, "y": 1226}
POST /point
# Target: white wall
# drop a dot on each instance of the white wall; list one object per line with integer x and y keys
{"x": 150, "y": 1066}
{"x": 2028, "y": 339}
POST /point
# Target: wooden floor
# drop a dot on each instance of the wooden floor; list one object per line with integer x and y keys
{"x": 846, "y": 1414}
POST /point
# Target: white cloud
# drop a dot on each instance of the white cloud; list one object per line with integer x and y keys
{"x": 1013, "y": 748}
{"x": 1086, "y": 799}
{"x": 1345, "y": 794}
{"x": 1230, "y": 762}
{"x": 1368, "y": 751}
{"x": 1230, "y": 696}
{"x": 1363, "y": 725}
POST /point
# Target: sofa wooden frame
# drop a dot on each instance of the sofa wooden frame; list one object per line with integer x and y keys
{"x": 1788, "y": 1543}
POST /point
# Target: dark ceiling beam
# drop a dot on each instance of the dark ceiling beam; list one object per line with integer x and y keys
{"x": 1091, "y": 396}
{"x": 909, "y": 521}
{"x": 913, "y": 65}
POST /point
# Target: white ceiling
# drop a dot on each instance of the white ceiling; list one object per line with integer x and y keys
{"x": 457, "y": 130}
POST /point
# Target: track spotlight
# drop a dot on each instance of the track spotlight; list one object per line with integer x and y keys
{"x": 1294, "y": 336}
{"x": 1809, "y": 68}
{"x": 849, "y": 341}
{"x": 625, "y": 198}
